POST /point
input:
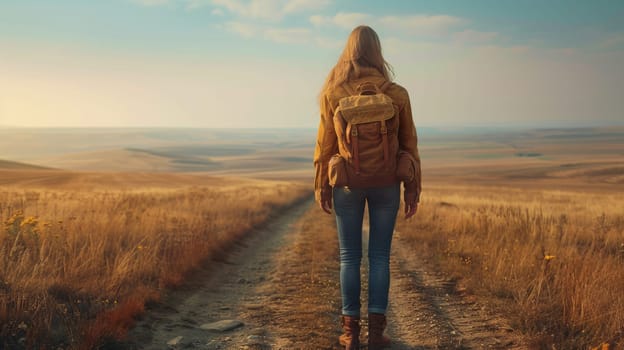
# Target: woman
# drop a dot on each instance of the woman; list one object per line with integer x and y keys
{"x": 362, "y": 64}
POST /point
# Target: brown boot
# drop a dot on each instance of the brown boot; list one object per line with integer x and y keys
{"x": 350, "y": 337}
{"x": 376, "y": 326}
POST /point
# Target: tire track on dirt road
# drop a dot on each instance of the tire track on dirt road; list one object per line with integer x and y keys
{"x": 227, "y": 290}
{"x": 427, "y": 312}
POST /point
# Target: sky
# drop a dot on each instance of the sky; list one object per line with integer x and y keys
{"x": 261, "y": 63}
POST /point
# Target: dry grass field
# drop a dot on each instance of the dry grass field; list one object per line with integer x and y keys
{"x": 82, "y": 253}
{"x": 552, "y": 260}
{"x": 535, "y": 221}
{"x": 266, "y": 153}
{"x": 530, "y": 222}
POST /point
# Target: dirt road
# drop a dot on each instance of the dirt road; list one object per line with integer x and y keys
{"x": 279, "y": 289}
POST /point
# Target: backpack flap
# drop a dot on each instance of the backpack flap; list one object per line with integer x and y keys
{"x": 360, "y": 109}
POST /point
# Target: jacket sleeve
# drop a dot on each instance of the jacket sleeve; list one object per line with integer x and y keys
{"x": 326, "y": 146}
{"x": 408, "y": 141}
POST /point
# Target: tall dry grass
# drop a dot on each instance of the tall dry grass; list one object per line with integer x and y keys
{"x": 77, "y": 266}
{"x": 553, "y": 259}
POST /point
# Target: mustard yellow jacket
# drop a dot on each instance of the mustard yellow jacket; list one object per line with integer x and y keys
{"x": 327, "y": 143}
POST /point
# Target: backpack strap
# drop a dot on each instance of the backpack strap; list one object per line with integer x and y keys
{"x": 348, "y": 132}
{"x": 384, "y": 129}
{"x": 340, "y": 127}
{"x": 355, "y": 147}
{"x": 349, "y": 89}
{"x": 368, "y": 88}
{"x": 384, "y": 141}
{"x": 383, "y": 87}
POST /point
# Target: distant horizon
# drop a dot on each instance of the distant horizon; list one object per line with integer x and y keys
{"x": 425, "y": 126}
{"x": 213, "y": 149}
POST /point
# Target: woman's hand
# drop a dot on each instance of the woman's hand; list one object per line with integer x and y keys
{"x": 410, "y": 209}
{"x": 325, "y": 200}
{"x": 326, "y": 205}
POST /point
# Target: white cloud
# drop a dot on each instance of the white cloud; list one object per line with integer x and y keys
{"x": 276, "y": 34}
{"x": 151, "y": 2}
{"x": 217, "y": 12}
{"x": 188, "y": 4}
{"x": 245, "y": 30}
{"x": 422, "y": 24}
{"x": 318, "y": 20}
{"x": 195, "y": 4}
{"x": 346, "y": 20}
{"x": 234, "y": 6}
{"x": 294, "y": 6}
{"x": 259, "y": 9}
{"x": 407, "y": 24}
{"x": 473, "y": 36}
{"x": 288, "y": 35}
{"x": 269, "y": 9}
{"x": 614, "y": 41}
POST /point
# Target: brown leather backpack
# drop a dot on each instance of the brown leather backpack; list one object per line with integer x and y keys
{"x": 366, "y": 125}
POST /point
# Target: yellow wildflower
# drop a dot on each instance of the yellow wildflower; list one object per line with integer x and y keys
{"x": 31, "y": 220}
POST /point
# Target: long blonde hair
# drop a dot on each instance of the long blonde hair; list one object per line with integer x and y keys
{"x": 363, "y": 49}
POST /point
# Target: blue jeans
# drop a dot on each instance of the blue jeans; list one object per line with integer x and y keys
{"x": 383, "y": 205}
